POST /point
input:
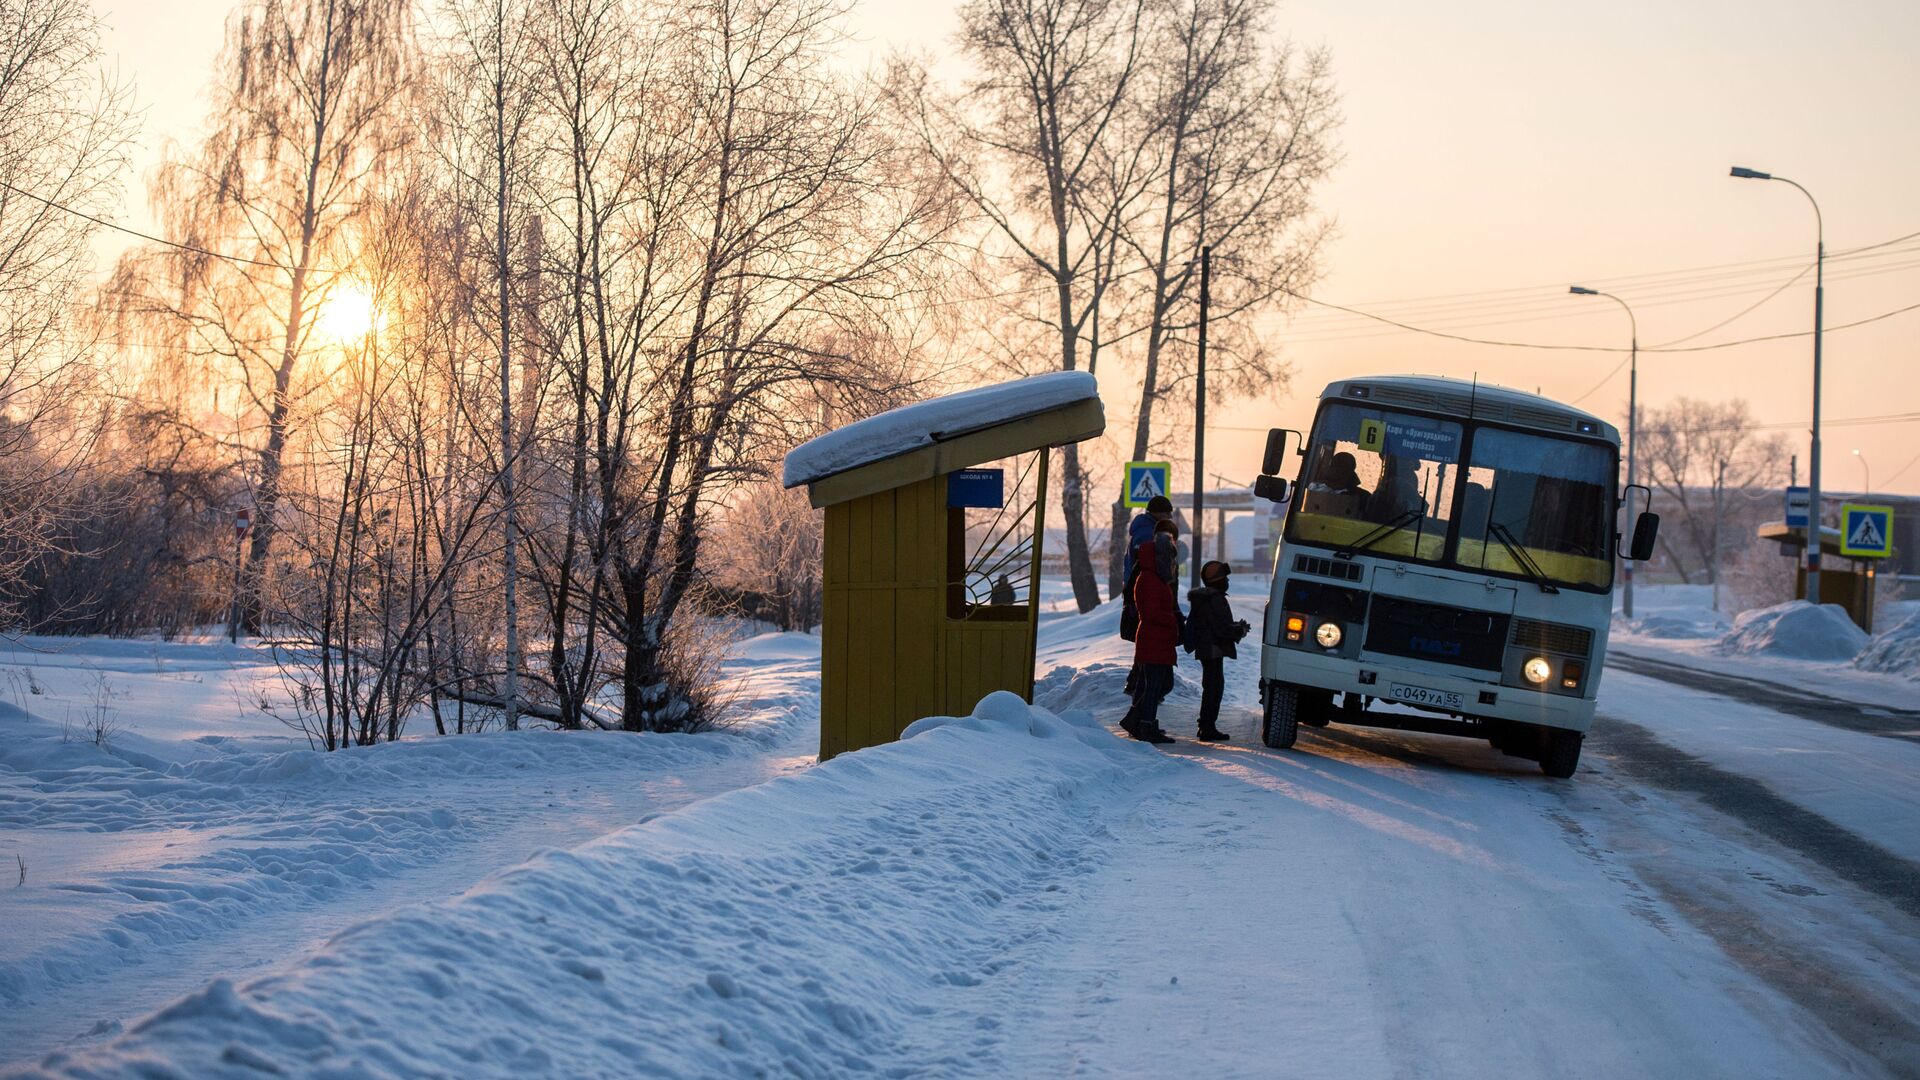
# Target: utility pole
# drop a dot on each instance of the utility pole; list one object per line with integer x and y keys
{"x": 1633, "y": 425}
{"x": 1200, "y": 417}
{"x": 1814, "y": 534}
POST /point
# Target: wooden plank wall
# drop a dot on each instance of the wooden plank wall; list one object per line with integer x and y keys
{"x": 889, "y": 654}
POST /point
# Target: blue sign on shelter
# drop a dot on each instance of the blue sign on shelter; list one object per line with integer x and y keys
{"x": 977, "y": 487}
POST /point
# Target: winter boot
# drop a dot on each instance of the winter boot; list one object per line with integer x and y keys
{"x": 1155, "y": 736}
{"x": 1210, "y": 733}
{"x": 1128, "y": 725}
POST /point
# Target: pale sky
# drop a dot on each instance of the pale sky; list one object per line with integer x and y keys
{"x": 1504, "y": 149}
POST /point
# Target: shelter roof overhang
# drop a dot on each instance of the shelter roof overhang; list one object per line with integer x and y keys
{"x": 941, "y": 435}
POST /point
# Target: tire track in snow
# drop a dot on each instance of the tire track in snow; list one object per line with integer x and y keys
{"x": 1804, "y": 942}
{"x": 1640, "y": 753}
{"x": 1879, "y": 720}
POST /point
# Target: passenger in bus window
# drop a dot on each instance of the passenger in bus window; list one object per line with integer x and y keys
{"x": 1398, "y": 493}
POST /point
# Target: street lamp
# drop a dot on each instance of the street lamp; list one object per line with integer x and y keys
{"x": 1866, "y": 474}
{"x": 1633, "y": 418}
{"x": 1813, "y": 460}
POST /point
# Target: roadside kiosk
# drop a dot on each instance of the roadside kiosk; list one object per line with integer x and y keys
{"x": 932, "y": 562}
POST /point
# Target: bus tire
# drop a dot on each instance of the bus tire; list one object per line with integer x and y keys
{"x": 1280, "y": 720}
{"x": 1561, "y": 754}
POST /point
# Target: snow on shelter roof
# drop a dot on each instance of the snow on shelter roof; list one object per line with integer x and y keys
{"x": 935, "y": 420}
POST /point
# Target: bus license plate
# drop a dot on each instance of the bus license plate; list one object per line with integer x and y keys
{"x": 1420, "y": 695}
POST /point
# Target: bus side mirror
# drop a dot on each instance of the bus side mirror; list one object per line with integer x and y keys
{"x": 1271, "y": 488}
{"x": 1275, "y": 458}
{"x": 1646, "y": 530}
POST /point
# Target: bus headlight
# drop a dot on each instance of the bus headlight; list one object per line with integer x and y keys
{"x": 1328, "y": 635}
{"x": 1537, "y": 670}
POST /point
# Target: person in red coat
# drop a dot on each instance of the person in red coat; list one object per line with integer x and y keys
{"x": 1156, "y": 643}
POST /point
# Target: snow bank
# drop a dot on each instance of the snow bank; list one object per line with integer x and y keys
{"x": 1702, "y": 625}
{"x": 820, "y": 924}
{"x": 924, "y": 423}
{"x": 1795, "y": 629}
{"x": 1896, "y": 651}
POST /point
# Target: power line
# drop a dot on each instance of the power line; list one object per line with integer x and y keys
{"x": 1334, "y": 326}
{"x": 1781, "y": 425}
{"x": 136, "y": 232}
{"x": 1713, "y": 272}
{"x": 1583, "y": 348}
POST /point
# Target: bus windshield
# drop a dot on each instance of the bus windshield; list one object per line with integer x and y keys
{"x": 1527, "y": 504}
{"x": 1541, "y": 500}
{"x": 1375, "y": 471}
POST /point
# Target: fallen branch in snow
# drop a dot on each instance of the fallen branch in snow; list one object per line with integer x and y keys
{"x": 527, "y": 708}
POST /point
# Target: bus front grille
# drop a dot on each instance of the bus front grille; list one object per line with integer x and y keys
{"x": 1444, "y": 635}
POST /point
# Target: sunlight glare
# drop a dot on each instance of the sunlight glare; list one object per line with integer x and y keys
{"x": 350, "y": 314}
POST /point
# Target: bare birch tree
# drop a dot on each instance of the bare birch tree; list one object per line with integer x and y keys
{"x": 1022, "y": 142}
{"x": 1232, "y": 135}
{"x": 63, "y": 131}
{"x": 491, "y": 95}
{"x": 1706, "y": 459}
{"x": 311, "y": 100}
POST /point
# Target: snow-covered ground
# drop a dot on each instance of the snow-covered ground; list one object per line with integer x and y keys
{"x": 205, "y": 839}
{"x": 1725, "y": 889}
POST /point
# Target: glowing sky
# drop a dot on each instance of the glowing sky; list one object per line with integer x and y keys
{"x": 1519, "y": 145}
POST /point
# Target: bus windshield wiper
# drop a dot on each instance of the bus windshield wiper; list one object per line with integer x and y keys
{"x": 1378, "y": 534}
{"x": 1505, "y": 536}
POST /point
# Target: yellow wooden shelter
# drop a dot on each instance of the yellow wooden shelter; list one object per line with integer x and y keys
{"x": 907, "y": 631}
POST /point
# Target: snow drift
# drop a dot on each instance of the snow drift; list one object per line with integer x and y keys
{"x": 820, "y": 924}
{"x": 1797, "y": 630}
{"x": 1895, "y": 651}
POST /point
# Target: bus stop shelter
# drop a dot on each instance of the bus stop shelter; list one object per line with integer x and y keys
{"x": 932, "y": 568}
{"x": 1852, "y": 588}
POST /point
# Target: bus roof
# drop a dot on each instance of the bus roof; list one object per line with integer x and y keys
{"x": 1482, "y": 401}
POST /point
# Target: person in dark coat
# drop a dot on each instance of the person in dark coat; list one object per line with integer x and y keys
{"x": 1156, "y": 642}
{"x": 1215, "y": 632}
{"x": 1002, "y": 594}
{"x": 1139, "y": 531}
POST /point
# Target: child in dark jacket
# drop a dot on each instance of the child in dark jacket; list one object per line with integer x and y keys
{"x": 1215, "y": 632}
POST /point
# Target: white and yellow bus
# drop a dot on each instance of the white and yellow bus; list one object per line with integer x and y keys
{"x": 1449, "y": 548}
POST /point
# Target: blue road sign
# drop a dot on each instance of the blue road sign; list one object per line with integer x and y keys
{"x": 1866, "y": 532}
{"x": 1798, "y": 499}
{"x": 977, "y": 487}
{"x": 1145, "y": 479}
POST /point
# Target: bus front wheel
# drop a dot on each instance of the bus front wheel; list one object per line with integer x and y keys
{"x": 1280, "y": 720}
{"x": 1561, "y": 753}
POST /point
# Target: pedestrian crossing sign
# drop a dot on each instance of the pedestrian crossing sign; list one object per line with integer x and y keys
{"x": 1866, "y": 532}
{"x": 1145, "y": 479}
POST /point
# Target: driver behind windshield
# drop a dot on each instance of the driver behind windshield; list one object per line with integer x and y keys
{"x": 1337, "y": 490}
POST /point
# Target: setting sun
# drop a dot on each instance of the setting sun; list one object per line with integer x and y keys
{"x": 350, "y": 314}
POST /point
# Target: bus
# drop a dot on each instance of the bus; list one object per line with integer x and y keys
{"x": 1448, "y": 549}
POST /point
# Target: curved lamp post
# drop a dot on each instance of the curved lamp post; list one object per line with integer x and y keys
{"x": 1813, "y": 460}
{"x": 1633, "y": 419}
